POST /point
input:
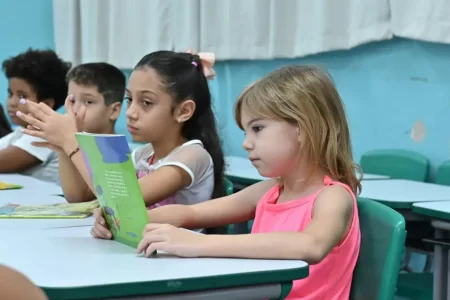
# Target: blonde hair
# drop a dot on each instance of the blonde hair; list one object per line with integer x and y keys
{"x": 307, "y": 97}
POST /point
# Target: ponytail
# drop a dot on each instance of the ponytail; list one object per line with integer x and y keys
{"x": 211, "y": 142}
{"x": 185, "y": 77}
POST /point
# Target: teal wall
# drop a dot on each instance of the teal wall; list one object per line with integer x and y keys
{"x": 386, "y": 86}
{"x": 23, "y": 24}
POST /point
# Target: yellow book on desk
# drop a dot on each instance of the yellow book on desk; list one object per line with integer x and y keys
{"x": 50, "y": 211}
{"x": 9, "y": 186}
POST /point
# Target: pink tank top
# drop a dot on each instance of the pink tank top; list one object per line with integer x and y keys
{"x": 331, "y": 278}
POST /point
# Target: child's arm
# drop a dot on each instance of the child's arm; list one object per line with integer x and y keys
{"x": 22, "y": 155}
{"x": 155, "y": 187}
{"x": 72, "y": 182}
{"x": 231, "y": 209}
{"x": 332, "y": 217}
{"x": 177, "y": 171}
{"x": 235, "y": 208}
{"x": 14, "y": 159}
{"x": 14, "y": 285}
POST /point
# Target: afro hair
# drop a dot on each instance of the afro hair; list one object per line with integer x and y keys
{"x": 43, "y": 70}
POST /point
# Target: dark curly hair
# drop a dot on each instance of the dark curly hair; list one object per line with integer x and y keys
{"x": 43, "y": 70}
{"x": 108, "y": 79}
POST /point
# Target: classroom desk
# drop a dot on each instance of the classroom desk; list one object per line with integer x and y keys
{"x": 439, "y": 212}
{"x": 368, "y": 176}
{"x": 26, "y": 224}
{"x": 20, "y": 224}
{"x": 31, "y": 185}
{"x": 401, "y": 194}
{"x": 69, "y": 264}
{"x": 28, "y": 198}
{"x": 241, "y": 170}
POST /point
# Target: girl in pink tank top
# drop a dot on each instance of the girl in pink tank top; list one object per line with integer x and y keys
{"x": 297, "y": 134}
{"x": 331, "y": 278}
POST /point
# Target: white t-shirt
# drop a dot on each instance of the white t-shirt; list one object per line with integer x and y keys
{"x": 48, "y": 169}
{"x": 191, "y": 157}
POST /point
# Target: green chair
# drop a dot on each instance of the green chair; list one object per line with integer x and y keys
{"x": 415, "y": 286}
{"x": 228, "y": 186}
{"x": 443, "y": 173}
{"x": 382, "y": 247}
{"x": 396, "y": 163}
{"x": 223, "y": 229}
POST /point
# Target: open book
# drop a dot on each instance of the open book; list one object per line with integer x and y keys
{"x": 49, "y": 211}
{"x": 110, "y": 166}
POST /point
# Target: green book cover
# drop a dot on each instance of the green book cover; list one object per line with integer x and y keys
{"x": 111, "y": 168}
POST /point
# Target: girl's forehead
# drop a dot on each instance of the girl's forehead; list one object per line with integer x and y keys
{"x": 20, "y": 84}
{"x": 249, "y": 113}
{"x": 144, "y": 78}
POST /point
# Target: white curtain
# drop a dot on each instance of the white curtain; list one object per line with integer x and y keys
{"x": 255, "y": 29}
{"x": 118, "y": 32}
{"x": 426, "y": 20}
{"x": 121, "y": 32}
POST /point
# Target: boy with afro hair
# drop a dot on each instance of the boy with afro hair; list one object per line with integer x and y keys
{"x": 38, "y": 76}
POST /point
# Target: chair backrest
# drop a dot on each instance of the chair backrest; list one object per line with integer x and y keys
{"x": 396, "y": 163}
{"x": 382, "y": 247}
{"x": 443, "y": 173}
{"x": 228, "y": 186}
{"x": 223, "y": 229}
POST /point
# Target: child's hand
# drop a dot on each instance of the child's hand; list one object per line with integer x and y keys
{"x": 99, "y": 230}
{"x": 171, "y": 239}
{"x": 50, "y": 125}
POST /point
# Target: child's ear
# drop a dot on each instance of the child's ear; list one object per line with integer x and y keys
{"x": 49, "y": 102}
{"x": 184, "y": 111}
{"x": 115, "y": 110}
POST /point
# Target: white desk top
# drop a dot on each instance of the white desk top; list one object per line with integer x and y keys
{"x": 34, "y": 224}
{"x": 443, "y": 206}
{"x": 28, "y": 198}
{"x": 19, "y": 224}
{"x": 30, "y": 185}
{"x": 438, "y": 209}
{"x": 404, "y": 191}
{"x": 367, "y": 176}
{"x": 241, "y": 167}
{"x": 82, "y": 261}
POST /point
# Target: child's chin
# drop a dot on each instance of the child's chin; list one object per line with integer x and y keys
{"x": 137, "y": 138}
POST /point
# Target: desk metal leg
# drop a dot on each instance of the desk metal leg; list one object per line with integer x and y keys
{"x": 447, "y": 274}
{"x": 440, "y": 263}
{"x": 439, "y": 278}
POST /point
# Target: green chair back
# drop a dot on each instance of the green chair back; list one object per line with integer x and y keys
{"x": 443, "y": 174}
{"x": 223, "y": 229}
{"x": 382, "y": 248}
{"x": 396, "y": 163}
{"x": 228, "y": 186}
